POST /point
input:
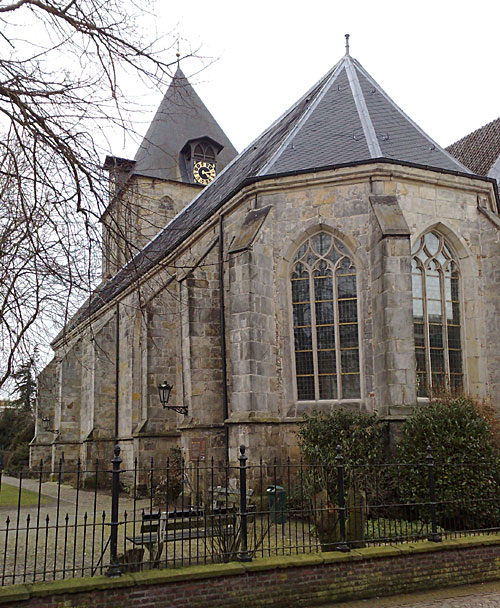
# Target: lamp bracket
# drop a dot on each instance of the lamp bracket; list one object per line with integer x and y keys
{"x": 180, "y": 409}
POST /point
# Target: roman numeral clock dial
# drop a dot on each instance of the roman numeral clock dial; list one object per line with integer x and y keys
{"x": 203, "y": 172}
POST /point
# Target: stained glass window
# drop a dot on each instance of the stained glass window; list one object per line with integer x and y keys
{"x": 436, "y": 315}
{"x": 325, "y": 320}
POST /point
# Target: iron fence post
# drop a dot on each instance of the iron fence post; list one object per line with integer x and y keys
{"x": 244, "y": 555}
{"x": 433, "y": 536}
{"x": 339, "y": 461}
{"x": 114, "y": 568}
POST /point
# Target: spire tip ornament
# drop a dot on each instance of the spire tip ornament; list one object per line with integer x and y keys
{"x": 347, "y": 44}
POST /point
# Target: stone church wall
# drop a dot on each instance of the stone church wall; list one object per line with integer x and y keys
{"x": 138, "y": 215}
{"x": 170, "y": 327}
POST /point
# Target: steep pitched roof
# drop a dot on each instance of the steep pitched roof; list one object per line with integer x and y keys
{"x": 480, "y": 150}
{"x": 353, "y": 119}
{"x": 344, "y": 119}
{"x": 181, "y": 116}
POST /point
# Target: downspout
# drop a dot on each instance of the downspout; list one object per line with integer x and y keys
{"x": 117, "y": 368}
{"x": 225, "y": 399}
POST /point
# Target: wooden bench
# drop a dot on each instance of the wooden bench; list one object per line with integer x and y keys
{"x": 158, "y": 528}
{"x": 196, "y": 523}
{"x": 151, "y": 536}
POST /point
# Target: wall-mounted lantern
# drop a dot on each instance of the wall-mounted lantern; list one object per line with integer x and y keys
{"x": 46, "y": 423}
{"x": 164, "y": 390}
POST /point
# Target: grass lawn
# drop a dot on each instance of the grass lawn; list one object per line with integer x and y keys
{"x": 9, "y": 496}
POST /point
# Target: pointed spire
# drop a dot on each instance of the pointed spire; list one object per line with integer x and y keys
{"x": 347, "y": 36}
{"x": 181, "y": 117}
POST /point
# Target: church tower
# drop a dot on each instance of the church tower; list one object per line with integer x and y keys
{"x": 181, "y": 153}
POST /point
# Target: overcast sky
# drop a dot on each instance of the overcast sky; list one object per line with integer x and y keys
{"x": 438, "y": 60}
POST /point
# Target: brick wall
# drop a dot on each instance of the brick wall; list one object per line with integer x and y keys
{"x": 299, "y": 581}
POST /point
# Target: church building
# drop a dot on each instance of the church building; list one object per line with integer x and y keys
{"x": 343, "y": 259}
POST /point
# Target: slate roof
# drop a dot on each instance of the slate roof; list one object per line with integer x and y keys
{"x": 181, "y": 116}
{"x": 345, "y": 119}
{"x": 479, "y": 150}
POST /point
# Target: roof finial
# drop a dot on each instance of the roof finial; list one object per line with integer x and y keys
{"x": 178, "y": 55}
{"x": 347, "y": 44}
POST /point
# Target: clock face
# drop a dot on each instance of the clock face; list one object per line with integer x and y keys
{"x": 203, "y": 172}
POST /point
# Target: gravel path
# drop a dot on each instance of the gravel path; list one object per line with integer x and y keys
{"x": 71, "y": 536}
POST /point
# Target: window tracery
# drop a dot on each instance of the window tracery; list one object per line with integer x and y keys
{"x": 325, "y": 320}
{"x": 436, "y": 315}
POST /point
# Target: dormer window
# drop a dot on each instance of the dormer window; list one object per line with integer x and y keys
{"x": 200, "y": 160}
{"x": 204, "y": 151}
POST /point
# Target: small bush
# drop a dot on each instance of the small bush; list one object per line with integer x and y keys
{"x": 397, "y": 529}
{"x": 362, "y": 437}
{"x": 22, "y": 430}
{"x": 467, "y": 462}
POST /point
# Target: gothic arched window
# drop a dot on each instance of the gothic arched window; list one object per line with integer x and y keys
{"x": 204, "y": 151}
{"x": 436, "y": 315}
{"x": 325, "y": 320}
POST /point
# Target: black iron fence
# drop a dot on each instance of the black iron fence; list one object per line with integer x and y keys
{"x": 83, "y": 521}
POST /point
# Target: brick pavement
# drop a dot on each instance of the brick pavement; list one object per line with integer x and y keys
{"x": 480, "y": 600}
{"x": 485, "y": 595}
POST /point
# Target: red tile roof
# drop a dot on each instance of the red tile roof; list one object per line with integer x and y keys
{"x": 479, "y": 150}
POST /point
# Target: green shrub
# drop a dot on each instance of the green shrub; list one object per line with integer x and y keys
{"x": 18, "y": 447}
{"x": 397, "y": 529}
{"x": 466, "y": 462}
{"x": 362, "y": 437}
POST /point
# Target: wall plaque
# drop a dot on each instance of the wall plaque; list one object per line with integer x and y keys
{"x": 198, "y": 449}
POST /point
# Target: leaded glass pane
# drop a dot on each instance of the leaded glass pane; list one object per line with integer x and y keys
{"x": 346, "y": 285}
{"x": 435, "y": 336}
{"x": 437, "y": 360}
{"x": 455, "y": 362}
{"x": 324, "y": 312}
{"x": 433, "y": 285}
{"x": 327, "y": 362}
{"x": 341, "y": 247}
{"x": 300, "y": 272}
{"x": 323, "y": 288}
{"x": 328, "y": 387}
{"x": 304, "y": 362}
{"x": 418, "y": 309}
{"x": 348, "y": 335}
{"x": 348, "y": 311}
{"x": 326, "y": 336}
{"x": 301, "y": 251}
{"x": 305, "y": 388}
{"x": 431, "y": 243}
{"x": 416, "y": 283}
{"x": 303, "y": 338}
{"x": 301, "y": 314}
{"x": 349, "y": 360}
{"x": 321, "y": 243}
{"x": 457, "y": 382}
{"x": 310, "y": 258}
{"x": 418, "y": 332}
{"x": 334, "y": 256}
{"x": 421, "y": 361}
{"x": 454, "y": 337}
{"x": 300, "y": 290}
{"x": 350, "y": 386}
{"x": 421, "y": 385}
